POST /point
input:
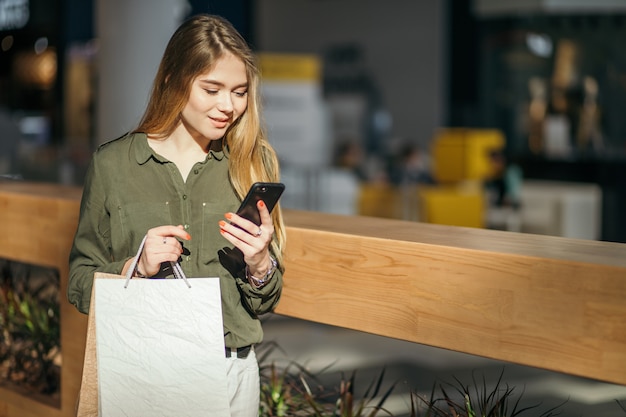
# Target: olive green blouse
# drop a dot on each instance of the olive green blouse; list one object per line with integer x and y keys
{"x": 130, "y": 189}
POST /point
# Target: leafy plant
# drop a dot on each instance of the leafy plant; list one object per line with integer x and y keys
{"x": 29, "y": 318}
{"x": 288, "y": 391}
{"x": 346, "y": 407}
{"x": 281, "y": 394}
{"x": 479, "y": 401}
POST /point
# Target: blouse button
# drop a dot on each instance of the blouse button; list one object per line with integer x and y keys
{"x": 195, "y": 171}
{"x": 184, "y": 196}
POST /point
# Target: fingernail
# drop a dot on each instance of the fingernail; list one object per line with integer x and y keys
{"x": 188, "y": 236}
{"x": 228, "y": 215}
{"x": 261, "y": 203}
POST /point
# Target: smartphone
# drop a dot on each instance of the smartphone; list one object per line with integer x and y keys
{"x": 269, "y": 192}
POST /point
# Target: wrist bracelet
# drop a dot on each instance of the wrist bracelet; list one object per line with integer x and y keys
{"x": 260, "y": 282}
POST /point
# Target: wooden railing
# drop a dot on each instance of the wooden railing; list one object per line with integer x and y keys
{"x": 541, "y": 301}
{"x": 37, "y": 222}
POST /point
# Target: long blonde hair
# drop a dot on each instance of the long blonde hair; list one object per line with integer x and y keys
{"x": 192, "y": 50}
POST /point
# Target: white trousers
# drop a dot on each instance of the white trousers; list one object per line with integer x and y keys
{"x": 244, "y": 385}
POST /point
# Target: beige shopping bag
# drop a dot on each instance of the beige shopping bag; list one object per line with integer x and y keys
{"x": 88, "y": 396}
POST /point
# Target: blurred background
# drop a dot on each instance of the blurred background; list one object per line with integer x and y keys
{"x": 481, "y": 113}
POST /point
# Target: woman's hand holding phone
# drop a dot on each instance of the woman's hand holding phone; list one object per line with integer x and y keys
{"x": 251, "y": 228}
{"x": 252, "y": 240}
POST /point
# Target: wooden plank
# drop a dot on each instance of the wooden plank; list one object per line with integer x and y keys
{"x": 535, "y": 300}
{"x": 38, "y": 223}
{"x": 14, "y": 404}
{"x": 541, "y": 301}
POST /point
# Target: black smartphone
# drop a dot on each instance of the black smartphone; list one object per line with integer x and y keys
{"x": 269, "y": 192}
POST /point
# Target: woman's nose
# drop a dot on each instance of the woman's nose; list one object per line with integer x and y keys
{"x": 225, "y": 103}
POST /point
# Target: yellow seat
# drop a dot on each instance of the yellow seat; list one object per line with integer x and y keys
{"x": 452, "y": 205}
{"x": 379, "y": 200}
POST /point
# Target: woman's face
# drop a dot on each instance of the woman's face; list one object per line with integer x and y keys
{"x": 217, "y": 99}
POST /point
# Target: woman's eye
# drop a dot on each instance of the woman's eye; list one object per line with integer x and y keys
{"x": 241, "y": 93}
{"x": 212, "y": 92}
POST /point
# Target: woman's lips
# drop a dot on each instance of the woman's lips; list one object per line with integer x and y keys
{"x": 220, "y": 123}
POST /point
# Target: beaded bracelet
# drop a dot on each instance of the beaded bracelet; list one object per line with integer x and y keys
{"x": 260, "y": 282}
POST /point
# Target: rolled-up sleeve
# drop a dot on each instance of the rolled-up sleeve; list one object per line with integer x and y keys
{"x": 263, "y": 300}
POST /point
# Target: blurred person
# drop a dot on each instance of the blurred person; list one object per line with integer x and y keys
{"x": 411, "y": 167}
{"x": 181, "y": 173}
{"x": 350, "y": 156}
{"x": 505, "y": 182}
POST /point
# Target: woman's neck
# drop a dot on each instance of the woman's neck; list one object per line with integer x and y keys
{"x": 183, "y": 149}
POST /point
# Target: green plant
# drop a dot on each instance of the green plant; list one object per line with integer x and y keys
{"x": 481, "y": 401}
{"x": 347, "y": 406}
{"x": 29, "y": 318}
{"x": 281, "y": 394}
{"x": 288, "y": 391}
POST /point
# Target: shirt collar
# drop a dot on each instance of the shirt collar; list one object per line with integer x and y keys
{"x": 219, "y": 152}
{"x": 143, "y": 151}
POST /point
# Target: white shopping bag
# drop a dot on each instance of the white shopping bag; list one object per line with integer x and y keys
{"x": 155, "y": 347}
{"x": 160, "y": 348}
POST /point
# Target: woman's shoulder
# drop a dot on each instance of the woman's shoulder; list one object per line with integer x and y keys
{"x": 121, "y": 145}
{"x": 122, "y": 141}
{"x": 116, "y": 154}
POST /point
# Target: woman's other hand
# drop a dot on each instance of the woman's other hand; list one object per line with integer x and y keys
{"x": 162, "y": 245}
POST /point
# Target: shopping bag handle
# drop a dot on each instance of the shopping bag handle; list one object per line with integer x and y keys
{"x": 178, "y": 271}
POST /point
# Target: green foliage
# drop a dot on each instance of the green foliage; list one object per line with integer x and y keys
{"x": 294, "y": 391}
{"x": 369, "y": 405}
{"x": 281, "y": 395}
{"x": 289, "y": 391}
{"x": 475, "y": 401}
{"x": 29, "y": 319}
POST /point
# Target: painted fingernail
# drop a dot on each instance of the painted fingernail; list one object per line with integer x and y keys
{"x": 261, "y": 203}
{"x": 222, "y": 223}
{"x": 228, "y": 215}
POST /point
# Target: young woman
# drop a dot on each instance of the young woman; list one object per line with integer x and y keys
{"x": 178, "y": 179}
